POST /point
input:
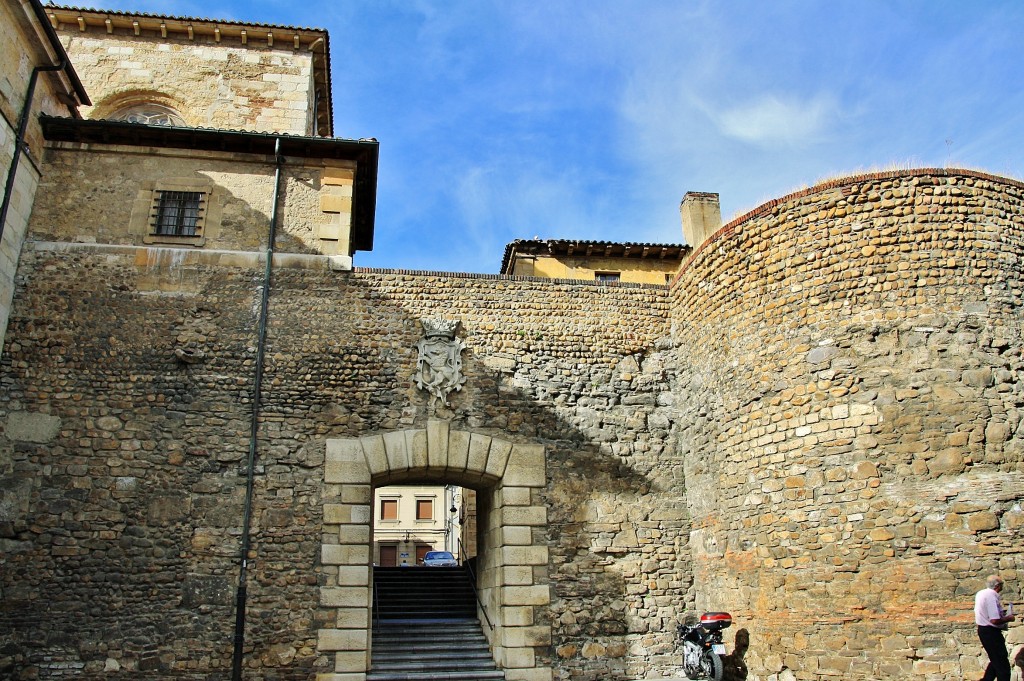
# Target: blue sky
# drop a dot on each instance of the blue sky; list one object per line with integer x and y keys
{"x": 590, "y": 119}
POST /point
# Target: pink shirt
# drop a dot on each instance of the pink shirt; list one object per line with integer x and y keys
{"x": 987, "y": 607}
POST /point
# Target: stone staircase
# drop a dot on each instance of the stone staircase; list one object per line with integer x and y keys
{"x": 425, "y": 627}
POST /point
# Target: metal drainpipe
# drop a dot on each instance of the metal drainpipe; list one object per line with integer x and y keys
{"x": 19, "y": 139}
{"x": 236, "y": 662}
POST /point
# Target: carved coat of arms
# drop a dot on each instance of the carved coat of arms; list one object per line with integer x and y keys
{"x": 439, "y": 366}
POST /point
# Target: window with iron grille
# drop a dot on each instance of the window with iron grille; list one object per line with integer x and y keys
{"x": 178, "y": 213}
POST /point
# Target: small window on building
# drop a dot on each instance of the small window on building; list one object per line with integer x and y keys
{"x": 175, "y": 211}
{"x": 178, "y": 213}
{"x": 389, "y": 509}
{"x": 606, "y": 276}
{"x": 424, "y": 509}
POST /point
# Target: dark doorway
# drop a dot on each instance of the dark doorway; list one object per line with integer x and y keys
{"x": 388, "y": 555}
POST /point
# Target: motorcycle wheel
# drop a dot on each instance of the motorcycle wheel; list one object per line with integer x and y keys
{"x": 715, "y": 662}
{"x": 708, "y": 664}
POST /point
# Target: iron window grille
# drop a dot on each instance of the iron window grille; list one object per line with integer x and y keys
{"x": 178, "y": 213}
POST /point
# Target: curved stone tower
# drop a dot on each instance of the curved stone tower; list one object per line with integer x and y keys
{"x": 849, "y": 381}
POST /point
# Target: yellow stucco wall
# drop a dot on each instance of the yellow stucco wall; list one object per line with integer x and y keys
{"x": 636, "y": 271}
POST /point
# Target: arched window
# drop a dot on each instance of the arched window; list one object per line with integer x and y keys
{"x": 149, "y": 114}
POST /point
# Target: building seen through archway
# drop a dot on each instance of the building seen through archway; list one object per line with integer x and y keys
{"x": 411, "y": 520}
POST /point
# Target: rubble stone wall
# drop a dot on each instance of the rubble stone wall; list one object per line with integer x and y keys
{"x": 848, "y": 369}
{"x": 124, "y": 462}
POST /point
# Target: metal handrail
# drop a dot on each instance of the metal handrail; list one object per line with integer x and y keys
{"x": 472, "y": 583}
{"x": 376, "y": 604}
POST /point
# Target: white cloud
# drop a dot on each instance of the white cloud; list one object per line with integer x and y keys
{"x": 771, "y": 120}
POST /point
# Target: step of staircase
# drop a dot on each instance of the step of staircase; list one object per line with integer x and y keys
{"x": 425, "y": 628}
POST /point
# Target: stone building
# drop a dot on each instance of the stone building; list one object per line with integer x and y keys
{"x": 602, "y": 261}
{"x": 816, "y": 424}
{"x": 610, "y": 262}
{"x": 36, "y": 77}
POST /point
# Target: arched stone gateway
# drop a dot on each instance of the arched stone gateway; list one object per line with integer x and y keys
{"x": 513, "y": 579}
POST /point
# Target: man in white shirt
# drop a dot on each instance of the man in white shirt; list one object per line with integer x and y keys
{"x": 991, "y": 619}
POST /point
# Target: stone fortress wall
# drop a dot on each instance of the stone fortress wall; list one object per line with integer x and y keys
{"x": 815, "y": 427}
{"x": 847, "y": 368}
{"x": 126, "y": 465}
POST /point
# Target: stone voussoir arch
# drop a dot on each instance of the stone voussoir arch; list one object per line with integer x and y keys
{"x": 115, "y": 104}
{"x": 512, "y": 569}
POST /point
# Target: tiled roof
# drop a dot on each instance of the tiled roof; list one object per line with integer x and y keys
{"x": 120, "y": 13}
{"x": 582, "y": 247}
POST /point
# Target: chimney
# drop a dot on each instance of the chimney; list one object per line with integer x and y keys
{"x": 701, "y": 216}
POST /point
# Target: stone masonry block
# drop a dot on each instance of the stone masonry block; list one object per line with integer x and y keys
{"x": 345, "y": 449}
{"x": 438, "y": 432}
{"x": 341, "y": 639}
{"x": 526, "y": 595}
{"x": 355, "y": 676}
{"x": 458, "y": 450}
{"x": 354, "y": 575}
{"x": 532, "y": 516}
{"x": 478, "y": 448}
{"x": 345, "y": 471}
{"x": 335, "y": 204}
{"x": 396, "y": 446}
{"x": 515, "y": 496}
{"x": 335, "y": 554}
{"x": 518, "y": 658}
{"x": 376, "y": 454}
{"x": 354, "y": 534}
{"x": 532, "y": 674}
{"x": 416, "y": 445}
{"x": 524, "y": 637}
{"x": 330, "y": 229}
{"x": 345, "y": 596}
{"x": 353, "y": 618}
{"x": 356, "y": 494}
{"x": 351, "y": 662}
{"x": 362, "y": 514}
{"x": 517, "y": 575}
{"x": 524, "y": 555}
{"x": 337, "y": 514}
{"x": 337, "y": 176}
{"x": 28, "y": 426}
{"x": 517, "y": 616}
{"x": 516, "y": 535}
{"x": 526, "y": 466}
{"x": 497, "y": 457}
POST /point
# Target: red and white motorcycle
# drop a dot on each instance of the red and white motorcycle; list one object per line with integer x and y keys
{"x": 703, "y": 647}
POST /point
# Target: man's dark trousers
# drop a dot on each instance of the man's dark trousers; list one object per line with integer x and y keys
{"x": 998, "y": 661}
